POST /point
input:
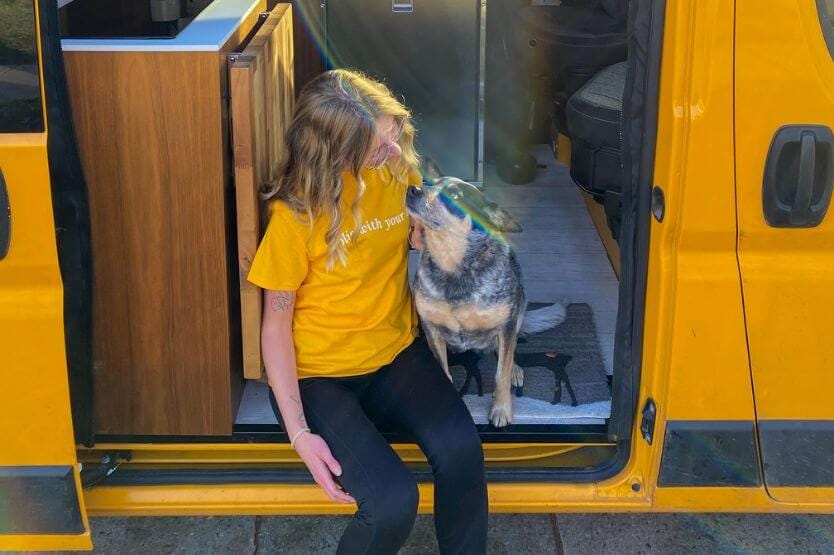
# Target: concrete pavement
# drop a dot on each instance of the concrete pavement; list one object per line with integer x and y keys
{"x": 510, "y": 534}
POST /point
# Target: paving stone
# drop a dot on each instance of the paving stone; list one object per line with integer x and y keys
{"x": 181, "y": 535}
{"x": 299, "y": 534}
{"x": 695, "y": 533}
{"x": 508, "y": 534}
{"x": 320, "y": 534}
{"x": 521, "y": 533}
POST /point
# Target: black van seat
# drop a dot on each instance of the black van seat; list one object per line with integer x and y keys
{"x": 552, "y": 39}
{"x": 551, "y": 51}
{"x": 567, "y": 44}
{"x": 594, "y": 125}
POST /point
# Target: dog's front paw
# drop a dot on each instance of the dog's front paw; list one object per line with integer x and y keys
{"x": 518, "y": 376}
{"x": 501, "y": 413}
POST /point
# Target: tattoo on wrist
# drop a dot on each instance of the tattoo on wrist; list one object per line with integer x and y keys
{"x": 301, "y": 420}
{"x": 281, "y": 301}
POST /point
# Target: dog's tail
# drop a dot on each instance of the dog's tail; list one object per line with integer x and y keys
{"x": 541, "y": 319}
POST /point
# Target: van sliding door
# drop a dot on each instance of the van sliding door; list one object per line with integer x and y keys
{"x": 784, "y": 116}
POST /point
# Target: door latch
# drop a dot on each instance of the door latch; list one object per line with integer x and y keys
{"x": 658, "y": 203}
{"x": 647, "y": 423}
{"x": 798, "y": 177}
{"x": 5, "y": 218}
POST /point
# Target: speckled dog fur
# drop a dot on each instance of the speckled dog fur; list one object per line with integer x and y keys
{"x": 468, "y": 288}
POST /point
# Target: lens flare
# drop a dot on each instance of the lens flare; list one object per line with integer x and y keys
{"x": 480, "y": 221}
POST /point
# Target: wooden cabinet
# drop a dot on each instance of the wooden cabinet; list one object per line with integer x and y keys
{"x": 153, "y": 131}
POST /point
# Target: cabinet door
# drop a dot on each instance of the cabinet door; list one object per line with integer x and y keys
{"x": 262, "y": 95}
{"x": 784, "y": 114}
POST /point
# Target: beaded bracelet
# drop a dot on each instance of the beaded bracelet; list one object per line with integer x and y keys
{"x": 298, "y": 433}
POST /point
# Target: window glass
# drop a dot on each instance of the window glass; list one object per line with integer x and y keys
{"x": 20, "y": 94}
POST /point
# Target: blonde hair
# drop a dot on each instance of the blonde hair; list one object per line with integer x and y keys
{"x": 332, "y": 129}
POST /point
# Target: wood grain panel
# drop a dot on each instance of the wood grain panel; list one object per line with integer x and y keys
{"x": 307, "y": 38}
{"x": 149, "y": 131}
{"x": 249, "y": 22}
{"x": 262, "y": 96}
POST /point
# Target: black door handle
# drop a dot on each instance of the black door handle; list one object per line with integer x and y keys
{"x": 799, "y": 175}
{"x": 5, "y": 218}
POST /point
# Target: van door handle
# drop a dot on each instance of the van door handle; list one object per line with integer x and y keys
{"x": 5, "y": 218}
{"x": 799, "y": 175}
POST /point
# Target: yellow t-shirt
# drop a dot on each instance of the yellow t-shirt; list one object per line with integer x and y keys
{"x": 355, "y": 319}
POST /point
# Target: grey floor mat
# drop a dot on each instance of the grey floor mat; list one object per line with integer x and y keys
{"x": 570, "y": 347}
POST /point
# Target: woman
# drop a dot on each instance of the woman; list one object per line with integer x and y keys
{"x": 339, "y": 326}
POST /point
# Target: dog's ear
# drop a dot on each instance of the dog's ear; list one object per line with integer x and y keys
{"x": 430, "y": 170}
{"x": 501, "y": 219}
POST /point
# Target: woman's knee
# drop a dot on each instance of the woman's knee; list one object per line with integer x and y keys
{"x": 393, "y": 506}
{"x": 455, "y": 450}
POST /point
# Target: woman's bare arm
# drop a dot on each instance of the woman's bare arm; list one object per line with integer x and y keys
{"x": 279, "y": 359}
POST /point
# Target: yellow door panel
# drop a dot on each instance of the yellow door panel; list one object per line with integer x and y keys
{"x": 784, "y": 76}
{"x": 695, "y": 357}
{"x": 40, "y": 501}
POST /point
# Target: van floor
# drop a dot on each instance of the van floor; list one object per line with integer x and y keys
{"x": 563, "y": 260}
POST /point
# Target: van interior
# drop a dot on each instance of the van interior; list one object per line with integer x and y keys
{"x": 567, "y": 249}
{"x": 524, "y": 98}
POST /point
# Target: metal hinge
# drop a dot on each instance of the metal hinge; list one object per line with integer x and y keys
{"x": 93, "y": 474}
{"x": 647, "y": 423}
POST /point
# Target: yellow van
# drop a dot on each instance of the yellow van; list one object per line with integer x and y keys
{"x": 697, "y": 363}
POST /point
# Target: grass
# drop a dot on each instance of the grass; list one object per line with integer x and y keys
{"x": 21, "y": 115}
{"x": 17, "y": 36}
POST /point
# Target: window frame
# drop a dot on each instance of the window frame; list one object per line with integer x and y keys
{"x": 826, "y": 25}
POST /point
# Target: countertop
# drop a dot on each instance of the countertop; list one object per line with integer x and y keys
{"x": 207, "y": 32}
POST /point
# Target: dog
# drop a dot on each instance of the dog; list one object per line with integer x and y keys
{"x": 467, "y": 287}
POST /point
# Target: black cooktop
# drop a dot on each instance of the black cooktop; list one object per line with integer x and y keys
{"x": 118, "y": 19}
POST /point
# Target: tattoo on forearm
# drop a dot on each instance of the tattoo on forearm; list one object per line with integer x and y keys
{"x": 281, "y": 301}
{"x": 301, "y": 421}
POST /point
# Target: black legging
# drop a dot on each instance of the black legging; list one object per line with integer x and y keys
{"x": 412, "y": 395}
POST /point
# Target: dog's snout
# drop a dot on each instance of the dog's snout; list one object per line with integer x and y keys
{"x": 414, "y": 191}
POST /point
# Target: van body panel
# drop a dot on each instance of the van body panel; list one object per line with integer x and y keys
{"x": 784, "y": 76}
{"x": 39, "y": 475}
{"x": 695, "y": 363}
{"x": 717, "y": 275}
{"x": 695, "y": 340}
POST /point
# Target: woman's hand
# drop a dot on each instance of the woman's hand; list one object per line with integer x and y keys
{"x": 415, "y": 238}
{"x": 320, "y": 462}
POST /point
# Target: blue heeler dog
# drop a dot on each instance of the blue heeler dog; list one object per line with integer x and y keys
{"x": 467, "y": 288}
